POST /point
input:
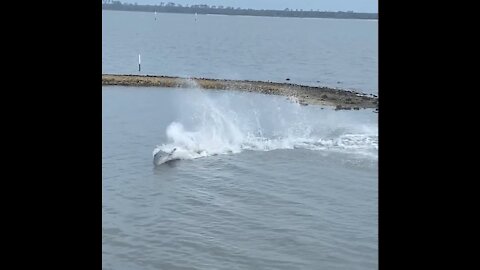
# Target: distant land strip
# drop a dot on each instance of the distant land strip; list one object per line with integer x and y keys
{"x": 225, "y": 10}
{"x": 305, "y": 95}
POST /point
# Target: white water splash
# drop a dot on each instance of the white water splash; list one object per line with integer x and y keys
{"x": 234, "y": 122}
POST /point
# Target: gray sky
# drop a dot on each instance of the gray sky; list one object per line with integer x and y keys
{"x": 327, "y": 5}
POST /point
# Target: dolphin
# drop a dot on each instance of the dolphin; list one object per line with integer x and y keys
{"x": 161, "y": 157}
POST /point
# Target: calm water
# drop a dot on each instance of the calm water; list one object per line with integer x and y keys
{"x": 263, "y": 182}
{"x": 329, "y": 52}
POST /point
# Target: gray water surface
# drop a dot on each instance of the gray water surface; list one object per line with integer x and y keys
{"x": 261, "y": 182}
{"x": 311, "y": 51}
{"x": 283, "y": 186}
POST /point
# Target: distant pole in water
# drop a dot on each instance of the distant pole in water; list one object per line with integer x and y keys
{"x": 139, "y": 63}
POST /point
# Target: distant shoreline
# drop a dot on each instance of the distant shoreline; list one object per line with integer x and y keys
{"x": 306, "y": 95}
{"x": 220, "y": 10}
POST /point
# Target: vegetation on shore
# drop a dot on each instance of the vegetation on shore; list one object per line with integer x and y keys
{"x": 171, "y": 7}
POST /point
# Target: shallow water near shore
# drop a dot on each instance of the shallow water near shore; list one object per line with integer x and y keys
{"x": 262, "y": 182}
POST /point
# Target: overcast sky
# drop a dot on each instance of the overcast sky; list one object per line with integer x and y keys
{"x": 327, "y": 5}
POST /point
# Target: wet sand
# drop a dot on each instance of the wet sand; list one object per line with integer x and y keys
{"x": 306, "y": 95}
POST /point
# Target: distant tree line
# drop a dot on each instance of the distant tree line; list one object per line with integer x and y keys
{"x": 170, "y": 7}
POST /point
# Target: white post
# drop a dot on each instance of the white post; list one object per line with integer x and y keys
{"x": 139, "y": 63}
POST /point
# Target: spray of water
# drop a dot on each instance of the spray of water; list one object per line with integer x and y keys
{"x": 231, "y": 122}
